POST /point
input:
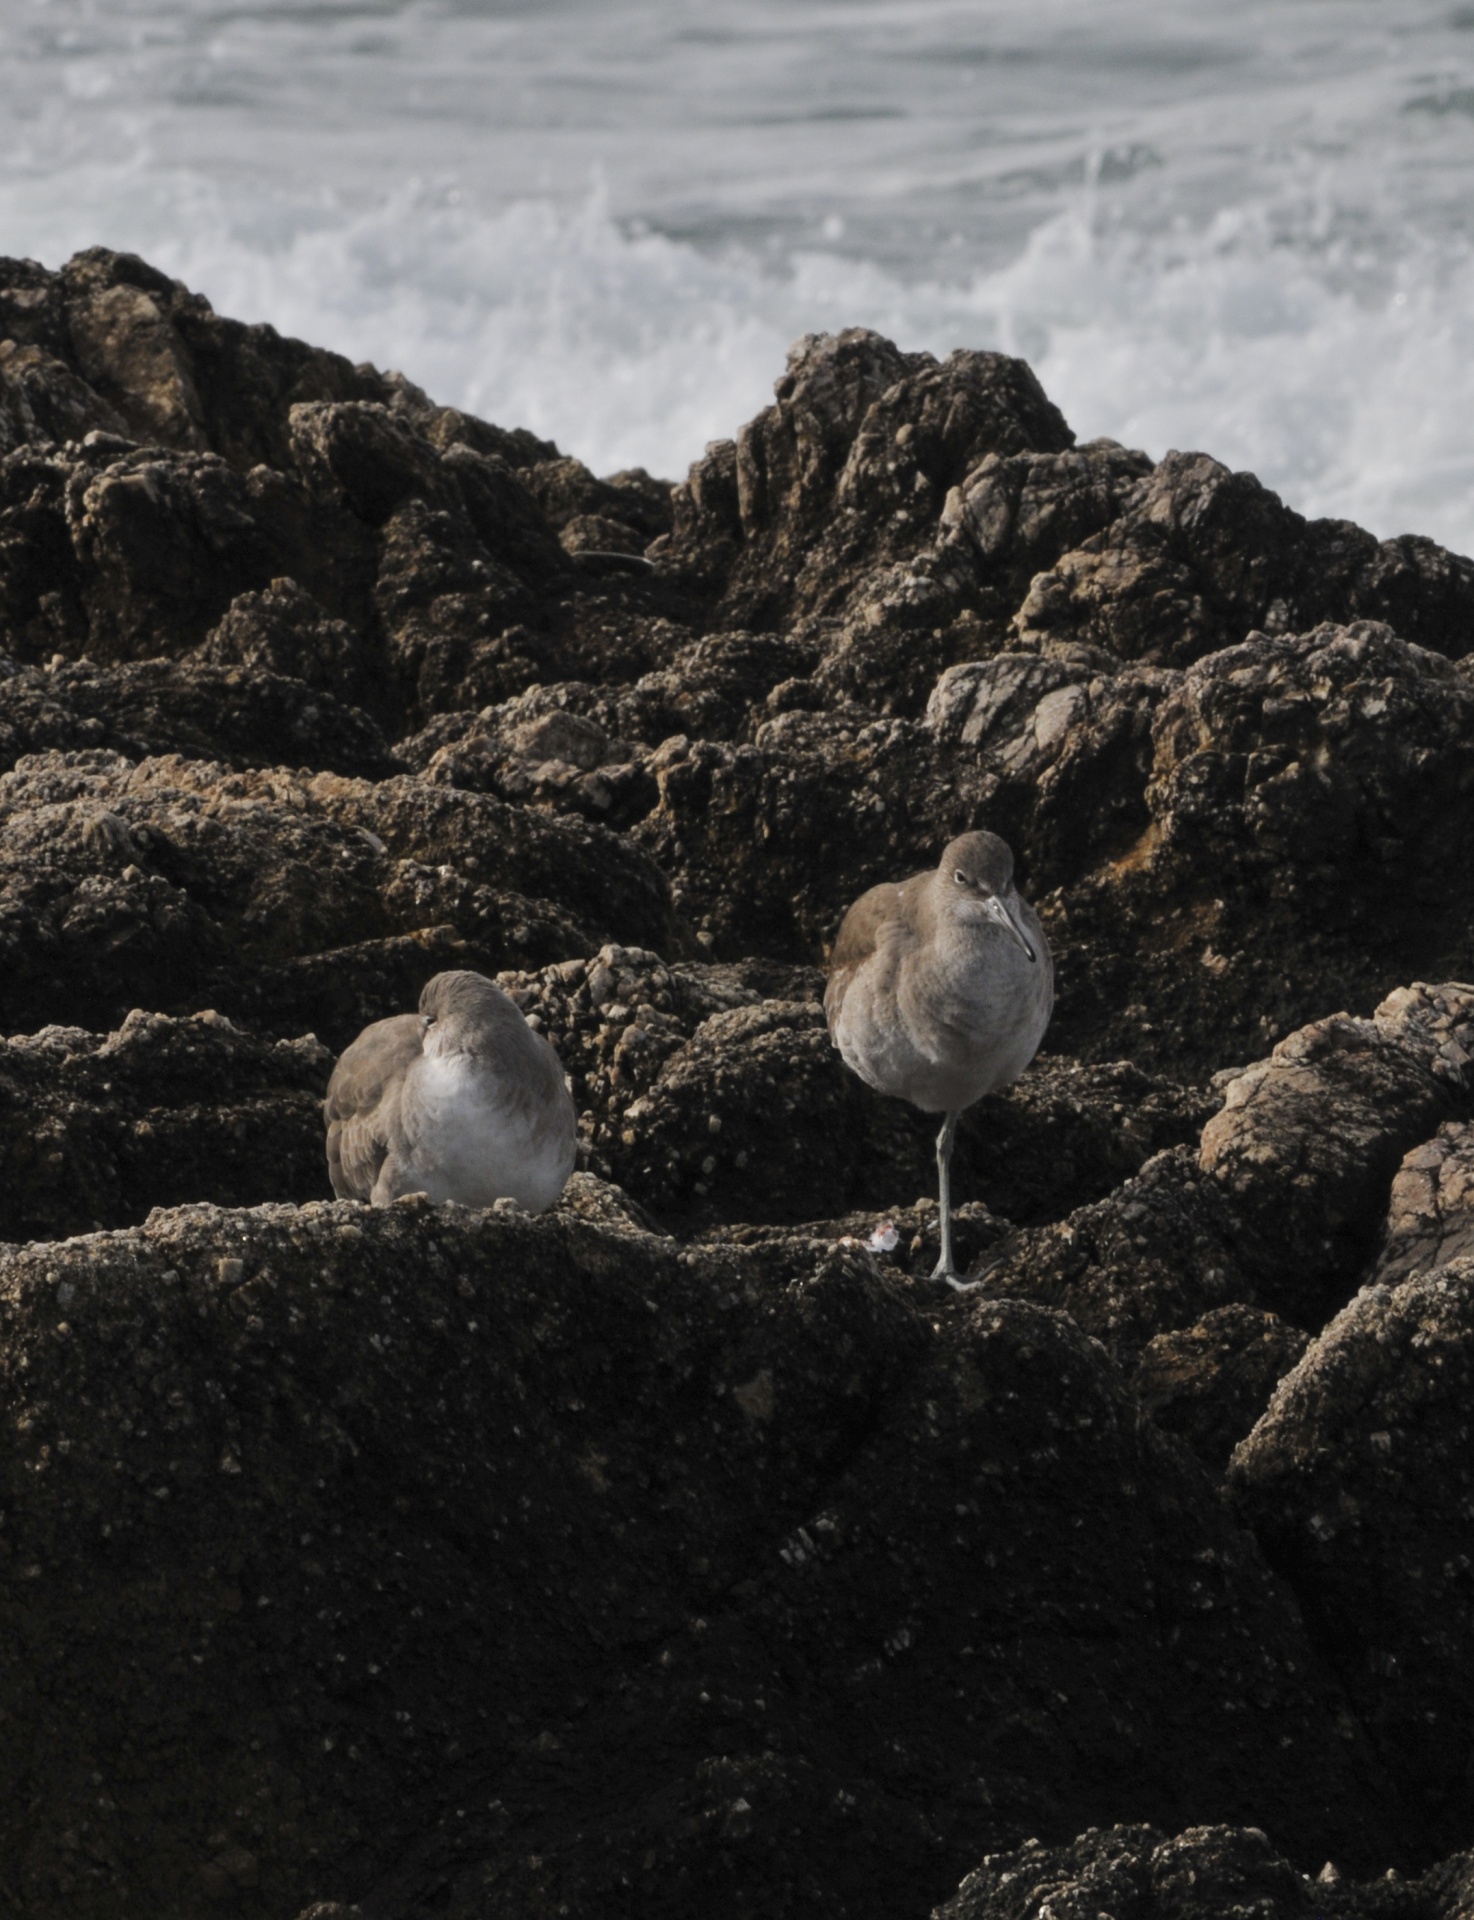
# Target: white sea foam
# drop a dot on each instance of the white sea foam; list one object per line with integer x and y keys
{"x": 624, "y": 276}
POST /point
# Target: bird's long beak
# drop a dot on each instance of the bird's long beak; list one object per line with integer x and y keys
{"x": 1006, "y": 913}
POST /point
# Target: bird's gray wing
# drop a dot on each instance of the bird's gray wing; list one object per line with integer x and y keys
{"x": 860, "y": 932}
{"x": 362, "y": 1102}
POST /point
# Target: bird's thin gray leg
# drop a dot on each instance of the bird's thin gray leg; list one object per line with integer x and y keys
{"x": 944, "y": 1269}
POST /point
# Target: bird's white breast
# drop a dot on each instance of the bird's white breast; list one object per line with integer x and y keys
{"x": 473, "y": 1145}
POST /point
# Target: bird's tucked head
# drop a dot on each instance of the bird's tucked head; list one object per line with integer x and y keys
{"x": 463, "y": 1012}
{"x": 975, "y": 880}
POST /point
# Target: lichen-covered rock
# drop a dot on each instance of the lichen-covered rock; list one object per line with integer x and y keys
{"x": 1307, "y": 1143}
{"x": 98, "y": 1129}
{"x": 1200, "y": 556}
{"x": 848, "y": 472}
{"x": 173, "y": 879}
{"x": 416, "y": 1509}
{"x": 1209, "y": 1383}
{"x": 1359, "y": 1481}
{"x": 245, "y": 716}
{"x": 1155, "y": 1255}
{"x": 1430, "y": 1215}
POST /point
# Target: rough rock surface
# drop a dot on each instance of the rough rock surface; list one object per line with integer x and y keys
{"x": 1359, "y": 1480}
{"x": 496, "y": 1565}
{"x": 1430, "y": 1219}
{"x": 1210, "y": 1382}
{"x": 244, "y": 716}
{"x": 690, "y": 1550}
{"x": 1307, "y": 1141}
{"x": 1207, "y": 1873}
{"x": 98, "y": 1129}
{"x": 262, "y": 891}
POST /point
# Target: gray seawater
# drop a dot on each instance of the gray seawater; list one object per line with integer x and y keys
{"x": 1244, "y": 227}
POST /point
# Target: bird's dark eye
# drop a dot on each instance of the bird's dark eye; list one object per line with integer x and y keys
{"x": 960, "y": 877}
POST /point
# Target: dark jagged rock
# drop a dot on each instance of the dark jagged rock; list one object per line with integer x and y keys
{"x": 638, "y": 506}
{"x": 540, "y": 1535}
{"x": 245, "y": 716}
{"x": 1308, "y": 800}
{"x": 691, "y": 1550}
{"x": 1063, "y": 744}
{"x": 697, "y": 1088}
{"x": 1357, "y": 1482}
{"x": 1016, "y": 514}
{"x": 284, "y": 631}
{"x": 175, "y": 880}
{"x": 1430, "y": 1218}
{"x": 1210, "y": 1382}
{"x": 1281, "y": 1207}
{"x": 1201, "y": 556}
{"x": 588, "y": 749}
{"x": 1156, "y": 1255}
{"x": 1308, "y": 1141}
{"x": 95, "y": 1130}
{"x": 161, "y": 464}
{"x": 848, "y": 471}
{"x": 1207, "y": 1873}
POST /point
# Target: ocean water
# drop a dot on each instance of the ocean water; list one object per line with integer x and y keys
{"x": 1247, "y": 228}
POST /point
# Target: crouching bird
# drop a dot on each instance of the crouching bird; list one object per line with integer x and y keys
{"x": 460, "y": 1101}
{"x": 940, "y": 988}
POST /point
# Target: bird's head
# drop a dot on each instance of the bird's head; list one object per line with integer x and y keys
{"x": 458, "y": 1009}
{"x": 975, "y": 879}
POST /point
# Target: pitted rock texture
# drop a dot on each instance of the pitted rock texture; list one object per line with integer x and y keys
{"x": 245, "y": 715}
{"x": 694, "y": 1081}
{"x": 98, "y": 1129}
{"x": 1207, "y": 1873}
{"x": 1430, "y": 1219}
{"x": 698, "y": 1551}
{"x": 1209, "y": 1383}
{"x": 633, "y": 1555}
{"x": 1153, "y": 1256}
{"x": 176, "y": 879}
{"x": 1318, "y": 1190}
{"x": 1359, "y": 1481}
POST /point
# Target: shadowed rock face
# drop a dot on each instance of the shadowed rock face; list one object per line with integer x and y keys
{"x": 1357, "y": 1481}
{"x": 406, "y": 1511}
{"x": 681, "y": 1551}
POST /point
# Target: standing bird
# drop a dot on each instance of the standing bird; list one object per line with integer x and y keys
{"x": 940, "y": 989}
{"x": 461, "y": 1101}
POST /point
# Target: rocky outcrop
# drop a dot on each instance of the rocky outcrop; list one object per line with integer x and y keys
{"x": 479, "y": 1563}
{"x": 1357, "y": 1480}
{"x": 690, "y": 1549}
{"x": 1430, "y": 1219}
{"x": 1308, "y": 1140}
{"x": 244, "y": 715}
{"x": 1209, "y": 1383}
{"x": 1207, "y": 1873}
{"x": 98, "y": 1129}
{"x": 266, "y": 893}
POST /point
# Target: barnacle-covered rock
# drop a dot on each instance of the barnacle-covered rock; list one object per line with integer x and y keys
{"x": 1358, "y": 1484}
{"x": 633, "y": 1553}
